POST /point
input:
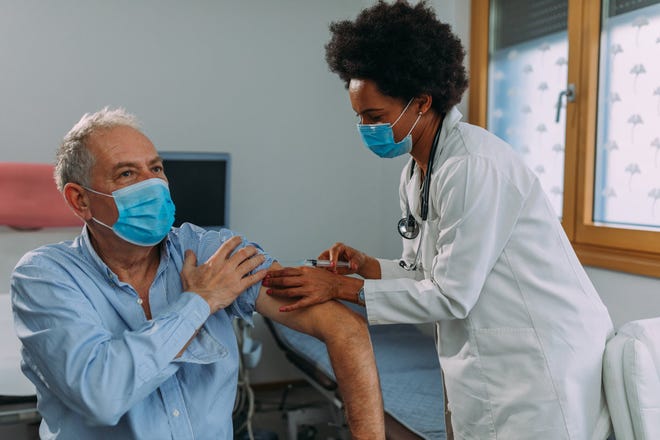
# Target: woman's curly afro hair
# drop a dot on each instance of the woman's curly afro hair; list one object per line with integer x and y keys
{"x": 404, "y": 49}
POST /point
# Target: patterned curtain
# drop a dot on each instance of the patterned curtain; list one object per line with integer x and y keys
{"x": 527, "y": 72}
{"x": 627, "y": 187}
{"x": 525, "y": 81}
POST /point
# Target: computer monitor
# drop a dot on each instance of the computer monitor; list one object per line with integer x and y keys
{"x": 199, "y": 185}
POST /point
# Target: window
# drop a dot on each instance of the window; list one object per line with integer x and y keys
{"x": 574, "y": 87}
{"x": 527, "y": 71}
{"x": 627, "y": 181}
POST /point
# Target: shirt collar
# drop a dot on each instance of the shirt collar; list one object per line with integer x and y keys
{"x": 452, "y": 118}
{"x": 86, "y": 245}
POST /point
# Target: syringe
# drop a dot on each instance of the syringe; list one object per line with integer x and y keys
{"x": 325, "y": 263}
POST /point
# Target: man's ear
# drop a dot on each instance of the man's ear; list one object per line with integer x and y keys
{"x": 76, "y": 197}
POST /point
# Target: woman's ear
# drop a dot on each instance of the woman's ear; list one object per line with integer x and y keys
{"x": 423, "y": 103}
{"x": 76, "y": 197}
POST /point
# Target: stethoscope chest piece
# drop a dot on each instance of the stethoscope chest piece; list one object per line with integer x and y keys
{"x": 408, "y": 227}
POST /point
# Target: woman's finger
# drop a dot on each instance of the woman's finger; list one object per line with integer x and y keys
{"x": 325, "y": 255}
{"x": 336, "y": 251}
{"x": 283, "y": 293}
{"x": 285, "y": 272}
{"x": 283, "y": 282}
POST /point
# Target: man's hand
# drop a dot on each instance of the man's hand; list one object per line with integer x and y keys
{"x": 224, "y": 276}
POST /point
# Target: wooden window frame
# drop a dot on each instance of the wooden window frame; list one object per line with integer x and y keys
{"x": 627, "y": 250}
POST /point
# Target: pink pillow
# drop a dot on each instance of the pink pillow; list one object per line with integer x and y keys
{"x": 29, "y": 198}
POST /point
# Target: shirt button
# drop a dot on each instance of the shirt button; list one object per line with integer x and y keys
{"x": 139, "y": 301}
{"x": 176, "y": 413}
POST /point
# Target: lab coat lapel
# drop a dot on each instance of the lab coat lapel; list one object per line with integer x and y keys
{"x": 414, "y": 184}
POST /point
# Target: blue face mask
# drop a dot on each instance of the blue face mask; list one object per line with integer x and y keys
{"x": 146, "y": 212}
{"x": 379, "y": 138}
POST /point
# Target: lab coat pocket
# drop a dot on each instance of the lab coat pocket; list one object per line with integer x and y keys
{"x": 524, "y": 402}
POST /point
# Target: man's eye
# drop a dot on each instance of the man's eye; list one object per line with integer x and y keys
{"x": 127, "y": 173}
{"x": 157, "y": 169}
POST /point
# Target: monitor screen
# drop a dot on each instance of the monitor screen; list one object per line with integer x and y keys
{"x": 199, "y": 185}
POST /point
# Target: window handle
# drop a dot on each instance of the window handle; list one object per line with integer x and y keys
{"x": 570, "y": 97}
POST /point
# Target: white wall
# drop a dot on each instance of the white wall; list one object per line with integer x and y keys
{"x": 244, "y": 77}
{"x": 628, "y": 297}
{"x": 248, "y": 78}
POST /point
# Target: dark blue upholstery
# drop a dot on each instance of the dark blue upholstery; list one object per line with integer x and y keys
{"x": 410, "y": 376}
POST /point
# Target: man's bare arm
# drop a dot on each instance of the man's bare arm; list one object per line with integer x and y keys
{"x": 346, "y": 337}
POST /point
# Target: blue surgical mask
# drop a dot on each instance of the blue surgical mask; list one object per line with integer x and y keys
{"x": 379, "y": 138}
{"x": 146, "y": 212}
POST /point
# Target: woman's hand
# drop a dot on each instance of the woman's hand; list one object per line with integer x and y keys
{"x": 310, "y": 286}
{"x": 360, "y": 263}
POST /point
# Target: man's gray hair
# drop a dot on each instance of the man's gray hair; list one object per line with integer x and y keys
{"x": 74, "y": 161}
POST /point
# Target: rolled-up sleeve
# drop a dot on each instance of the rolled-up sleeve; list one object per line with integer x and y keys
{"x": 244, "y": 305}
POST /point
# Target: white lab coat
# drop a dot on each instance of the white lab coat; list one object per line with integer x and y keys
{"x": 520, "y": 329}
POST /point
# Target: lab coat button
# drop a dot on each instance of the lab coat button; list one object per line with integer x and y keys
{"x": 176, "y": 413}
{"x": 139, "y": 301}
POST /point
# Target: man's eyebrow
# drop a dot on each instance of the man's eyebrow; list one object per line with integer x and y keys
{"x": 127, "y": 164}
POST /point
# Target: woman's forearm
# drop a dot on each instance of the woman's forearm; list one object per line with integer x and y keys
{"x": 370, "y": 269}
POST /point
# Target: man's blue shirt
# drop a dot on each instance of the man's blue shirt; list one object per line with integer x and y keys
{"x": 101, "y": 369}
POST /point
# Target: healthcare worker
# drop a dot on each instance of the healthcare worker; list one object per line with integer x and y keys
{"x": 520, "y": 329}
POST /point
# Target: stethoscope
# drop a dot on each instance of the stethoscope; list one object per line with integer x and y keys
{"x": 408, "y": 226}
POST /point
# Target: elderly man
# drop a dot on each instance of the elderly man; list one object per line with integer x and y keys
{"x": 127, "y": 330}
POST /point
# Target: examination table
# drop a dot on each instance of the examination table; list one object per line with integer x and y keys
{"x": 18, "y": 400}
{"x": 410, "y": 376}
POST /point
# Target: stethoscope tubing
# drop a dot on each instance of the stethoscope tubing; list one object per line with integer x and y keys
{"x": 409, "y": 220}
{"x": 408, "y": 227}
